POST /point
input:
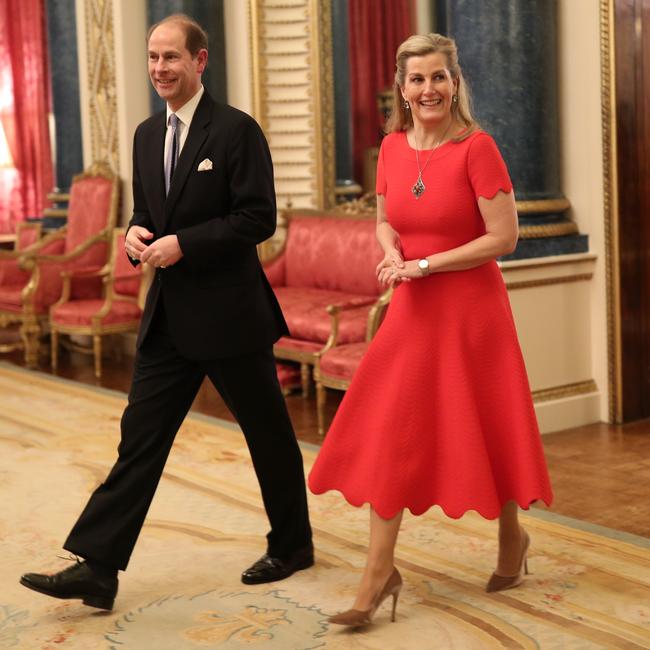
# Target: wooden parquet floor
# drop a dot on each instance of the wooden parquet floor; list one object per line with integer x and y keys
{"x": 600, "y": 472}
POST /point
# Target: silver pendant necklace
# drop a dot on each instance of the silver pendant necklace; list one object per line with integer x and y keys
{"x": 419, "y": 186}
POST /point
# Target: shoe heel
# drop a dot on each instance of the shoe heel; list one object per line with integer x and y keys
{"x": 392, "y": 616}
{"x": 100, "y": 602}
{"x": 526, "y": 566}
{"x": 305, "y": 564}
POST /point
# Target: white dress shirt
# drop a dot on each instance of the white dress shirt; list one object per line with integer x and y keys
{"x": 185, "y": 114}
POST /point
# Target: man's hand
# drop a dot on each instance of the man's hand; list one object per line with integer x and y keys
{"x": 163, "y": 252}
{"x": 134, "y": 244}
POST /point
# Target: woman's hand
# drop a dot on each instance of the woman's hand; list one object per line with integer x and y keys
{"x": 392, "y": 258}
{"x": 392, "y": 275}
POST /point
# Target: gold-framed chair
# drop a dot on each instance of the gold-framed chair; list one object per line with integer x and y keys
{"x": 336, "y": 364}
{"x": 27, "y": 234}
{"x": 117, "y": 312}
{"x": 81, "y": 244}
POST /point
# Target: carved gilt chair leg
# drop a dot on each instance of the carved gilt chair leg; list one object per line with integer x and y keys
{"x": 97, "y": 351}
{"x": 30, "y": 333}
{"x": 321, "y": 398}
{"x": 304, "y": 378}
{"x": 54, "y": 352}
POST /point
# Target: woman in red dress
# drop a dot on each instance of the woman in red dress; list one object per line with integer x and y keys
{"x": 439, "y": 411}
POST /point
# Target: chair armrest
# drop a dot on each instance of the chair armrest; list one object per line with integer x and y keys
{"x": 90, "y": 272}
{"x": 376, "y": 314}
{"x": 335, "y": 314}
{"x": 54, "y": 240}
{"x": 69, "y": 275}
{"x": 29, "y": 261}
{"x": 355, "y": 303}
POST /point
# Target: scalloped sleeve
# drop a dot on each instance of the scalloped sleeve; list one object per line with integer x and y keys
{"x": 381, "y": 173}
{"x": 486, "y": 168}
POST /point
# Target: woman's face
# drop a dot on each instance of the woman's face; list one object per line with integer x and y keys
{"x": 428, "y": 88}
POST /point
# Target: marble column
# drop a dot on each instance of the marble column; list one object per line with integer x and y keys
{"x": 508, "y": 52}
{"x": 342, "y": 117}
{"x": 64, "y": 71}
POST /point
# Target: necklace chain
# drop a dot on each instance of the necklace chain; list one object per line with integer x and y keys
{"x": 419, "y": 186}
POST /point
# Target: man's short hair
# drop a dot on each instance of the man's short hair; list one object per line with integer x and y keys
{"x": 195, "y": 37}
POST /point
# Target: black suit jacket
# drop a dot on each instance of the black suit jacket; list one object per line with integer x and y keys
{"x": 217, "y": 300}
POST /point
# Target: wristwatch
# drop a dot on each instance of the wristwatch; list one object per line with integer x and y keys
{"x": 423, "y": 265}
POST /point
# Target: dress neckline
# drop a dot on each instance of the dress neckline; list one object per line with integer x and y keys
{"x": 438, "y": 148}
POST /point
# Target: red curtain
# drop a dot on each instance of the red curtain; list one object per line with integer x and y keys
{"x": 376, "y": 29}
{"x": 24, "y": 108}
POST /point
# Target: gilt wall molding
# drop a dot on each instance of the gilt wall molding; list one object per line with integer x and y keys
{"x": 610, "y": 193}
{"x": 562, "y": 392}
{"x": 101, "y": 91}
{"x": 544, "y": 282}
{"x": 548, "y": 230}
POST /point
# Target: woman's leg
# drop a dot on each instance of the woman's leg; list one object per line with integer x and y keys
{"x": 381, "y": 558}
{"x": 511, "y": 540}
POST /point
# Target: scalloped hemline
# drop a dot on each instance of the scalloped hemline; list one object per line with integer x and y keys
{"x": 524, "y": 505}
{"x": 499, "y": 189}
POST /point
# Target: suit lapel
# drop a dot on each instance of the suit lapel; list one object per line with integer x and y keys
{"x": 157, "y": 160}
{"x": 195, "y": 138}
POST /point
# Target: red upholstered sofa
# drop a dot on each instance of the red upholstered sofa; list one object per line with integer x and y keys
{"x": 327, "y": 260}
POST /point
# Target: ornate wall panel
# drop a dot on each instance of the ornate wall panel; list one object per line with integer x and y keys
{"x": 292, "y": 91}
{"x": 102, "y": 81}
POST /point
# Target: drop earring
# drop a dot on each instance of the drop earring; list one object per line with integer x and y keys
{"x": 454, "y": 99}
{"x": 407, "y": 106}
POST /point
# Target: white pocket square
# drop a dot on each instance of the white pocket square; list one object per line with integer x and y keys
{"x": 205, "y": 165}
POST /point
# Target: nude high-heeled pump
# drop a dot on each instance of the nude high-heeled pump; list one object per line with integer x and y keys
{"x": 358, "y": 617}
{"x": 500, "y": 583}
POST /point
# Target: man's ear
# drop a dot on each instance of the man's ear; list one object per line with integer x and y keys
{"x": 202, "y": 60}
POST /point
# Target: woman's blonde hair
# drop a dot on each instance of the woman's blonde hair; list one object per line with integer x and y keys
{"x": 400, "y": 118}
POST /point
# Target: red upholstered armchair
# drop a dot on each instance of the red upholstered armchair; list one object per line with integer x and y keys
{"x": 328, "y": 260}
{"x": 81, "y": 244}
{"x": 118, "y": 311}
{"x": 336, "y": 364}
{"x": 27, "y": 234}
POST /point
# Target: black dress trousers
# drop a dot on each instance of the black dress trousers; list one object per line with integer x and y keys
{"x": 163, "y": 389}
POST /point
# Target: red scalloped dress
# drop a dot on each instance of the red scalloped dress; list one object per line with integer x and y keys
{"x": 439, "y": 411}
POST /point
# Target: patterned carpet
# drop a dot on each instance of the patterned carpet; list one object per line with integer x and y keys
{"x": 182, "y": 589}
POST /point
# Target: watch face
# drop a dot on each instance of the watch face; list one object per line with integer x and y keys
{"x": 423, "y": 264}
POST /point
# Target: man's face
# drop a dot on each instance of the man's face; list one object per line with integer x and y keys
{"x": 175, "y": 75}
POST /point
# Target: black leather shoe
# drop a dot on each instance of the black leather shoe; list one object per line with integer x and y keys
{"x": 94, "y": 588}
{"x": 270, "y": 569}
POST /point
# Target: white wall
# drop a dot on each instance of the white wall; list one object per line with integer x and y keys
{"x": 581, "y": 156}
{"x": 238, "y": 55}
{"x": 130, "y": 21}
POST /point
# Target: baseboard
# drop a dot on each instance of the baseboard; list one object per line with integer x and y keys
{"x": 568, "y": 412}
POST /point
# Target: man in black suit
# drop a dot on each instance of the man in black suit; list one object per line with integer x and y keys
{"x": 203, "y": 199}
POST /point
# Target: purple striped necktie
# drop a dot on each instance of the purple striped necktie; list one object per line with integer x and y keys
{"x": 172, "y": 152}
